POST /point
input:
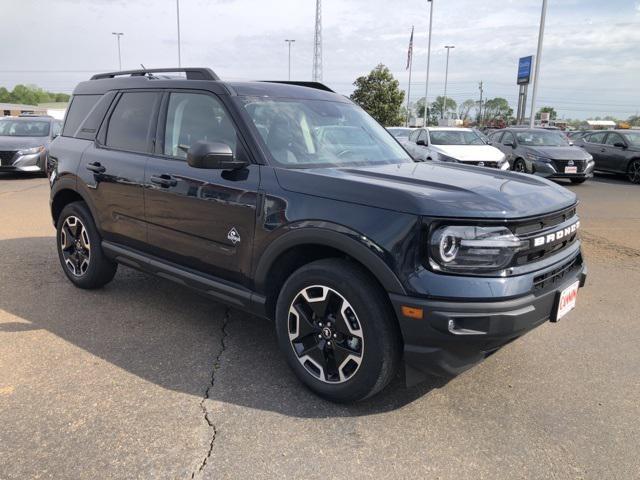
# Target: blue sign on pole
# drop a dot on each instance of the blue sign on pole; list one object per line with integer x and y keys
{"x": 524, "y": 70}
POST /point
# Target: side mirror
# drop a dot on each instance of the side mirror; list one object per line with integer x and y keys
{"x": 421, "y": 142}
{"x": 213, "y": 156}
{"x": 620, "y": 145}
{"x": 570, "y": 143}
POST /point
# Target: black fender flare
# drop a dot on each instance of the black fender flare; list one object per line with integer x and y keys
{"x": 69, "y": 183}
{"x": 351, "y": 243}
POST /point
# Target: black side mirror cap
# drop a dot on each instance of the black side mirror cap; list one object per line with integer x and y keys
{"x": 509, "y": 144}
{"x": 620, "y": 145}
{"x": 213, "y": 156}
{"x": 421, "y": 142}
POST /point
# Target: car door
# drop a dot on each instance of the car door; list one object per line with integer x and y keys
{"x": 507, "y": 146}
{"x": 614, "y": 155}
{"x": 200, "y": 218}
{"x": 112, "y": 167}
{"x": 594, "y": 144}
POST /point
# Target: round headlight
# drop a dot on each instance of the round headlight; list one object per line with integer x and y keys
{"x": 449, "y": 245}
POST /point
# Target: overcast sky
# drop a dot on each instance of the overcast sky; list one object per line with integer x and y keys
{"x": 590, "y": 63}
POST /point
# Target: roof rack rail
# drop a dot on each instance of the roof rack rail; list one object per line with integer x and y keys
{"x": 192, "y": 73}
{"x": 316, "y": 85}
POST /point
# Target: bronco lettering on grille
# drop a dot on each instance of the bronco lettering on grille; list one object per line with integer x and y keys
{"x": 556, "y": 236}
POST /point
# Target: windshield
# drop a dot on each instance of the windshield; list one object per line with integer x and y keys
{"x": 400, "y": 132}
{"x": 23, "y": 128}
{"x": 633, "y": 138}
{"x": 454, "y": 137}
{"x": 317, "y": 133}
{"x": 542, "y": 138}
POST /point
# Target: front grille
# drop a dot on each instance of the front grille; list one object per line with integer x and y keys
{"x": 555, "y": 277}
{"x": 6, "y": 157}
{"x": 541, "y": 226}
{"x": 560, "y": 164}
{"x": 484, "y": 164}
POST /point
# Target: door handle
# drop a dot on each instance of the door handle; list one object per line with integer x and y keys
{"x": 95, "y": 167}
{"x": 164, "y": 180}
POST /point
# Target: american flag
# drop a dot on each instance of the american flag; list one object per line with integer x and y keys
{"x": 410, "y": 52}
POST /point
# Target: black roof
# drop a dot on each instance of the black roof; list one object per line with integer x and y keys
{"x": 204, "y": 79}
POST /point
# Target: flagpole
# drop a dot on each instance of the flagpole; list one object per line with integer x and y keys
{"x": 410, "y": 70}
{"x": 426, "y": 88}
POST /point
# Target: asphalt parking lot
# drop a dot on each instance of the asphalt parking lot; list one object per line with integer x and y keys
{"x": 145, "y": 379}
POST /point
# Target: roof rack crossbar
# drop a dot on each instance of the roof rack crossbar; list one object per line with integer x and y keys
{"x": 191, "y": 73}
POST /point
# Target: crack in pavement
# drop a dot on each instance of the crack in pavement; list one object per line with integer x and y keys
{"x": 207, "y": 417}
{"x": 31, "y": 187}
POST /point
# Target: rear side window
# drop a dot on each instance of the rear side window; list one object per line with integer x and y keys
{"x": 130, "y": 122}
{"x": 596, "y": 137}
{"x": 80, "y": 107}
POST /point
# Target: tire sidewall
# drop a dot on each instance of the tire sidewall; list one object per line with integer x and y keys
{"x": 365, "y": 305}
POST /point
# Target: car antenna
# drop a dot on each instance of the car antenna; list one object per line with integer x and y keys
{"x": 150, "y": 75}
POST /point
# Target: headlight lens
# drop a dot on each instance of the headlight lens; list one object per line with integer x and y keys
{"x": 472, "y": 248}
{"x": 537, "y": 158}
{"x": 445, "y": 158}
{"x": 31, "y": 151}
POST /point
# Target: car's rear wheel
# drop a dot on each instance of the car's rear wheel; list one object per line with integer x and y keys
{"x": 633, "y": 171}
{"x": 519, "y": 166}
{"x": 337, "y": 330}
{"x": 80, "y": 250}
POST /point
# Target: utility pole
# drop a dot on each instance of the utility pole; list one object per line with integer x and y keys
{"x": 446, "y": 78}
{"x": 118, "y": 35}
{"x": 426, "y": 87}
{"x": 289, "y": 42}
{"x": 316, "y": 74}
{"x": 178, "y": 22}
{"x": 536, "y": 76}
{"x": 480, "y": 104}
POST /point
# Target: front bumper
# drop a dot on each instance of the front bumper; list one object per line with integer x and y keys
{"x": 454, "y": 335}
{"x": 551, "y": 170}
{"x": 35, "y": 162}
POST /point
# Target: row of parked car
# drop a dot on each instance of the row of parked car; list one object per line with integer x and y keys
{"x": 547, "y": 153}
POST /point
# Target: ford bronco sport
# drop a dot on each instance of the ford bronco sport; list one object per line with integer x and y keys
{"x": 288, "y": 201}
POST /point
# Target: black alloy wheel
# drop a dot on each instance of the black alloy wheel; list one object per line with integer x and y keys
{"x": 633, "y": 172}
{"x": 325, "y": 334}
{"x": 519, "y": 166}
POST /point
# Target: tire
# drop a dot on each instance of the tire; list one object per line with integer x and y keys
{"x": 79, "y": 248}
{"x": 633, "y": 171}
{"x": 361, "y": 349}
{"x": 578, "y": 181}
{"x": 519, "y": 166}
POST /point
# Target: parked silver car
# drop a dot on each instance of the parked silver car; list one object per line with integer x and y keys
{"x": 24, "y": 142}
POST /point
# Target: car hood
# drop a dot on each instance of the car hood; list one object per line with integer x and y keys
{"x": 559, "y": 153}
{"x": 433, "y": 189}
{"x": 19, "y": 143}
{"x": 465, "y": 153}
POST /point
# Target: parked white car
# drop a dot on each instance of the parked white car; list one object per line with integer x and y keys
{"x": 451, "y": 144}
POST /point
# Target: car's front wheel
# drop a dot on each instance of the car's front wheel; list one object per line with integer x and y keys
{"x": 633, "y": 171}
{"x": 337, "y": 330}
{"x": 519, "y": 166}
{"x": 80, "y": 250}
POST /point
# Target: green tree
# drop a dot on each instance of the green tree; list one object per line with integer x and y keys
{"x": 436, "y": 106}
{"x": 30, "y": 95}
{"x": 5, "y": 96}
{"x": 634, "y": 120}
{"x": 550, "y": 110}
{"x": 464, "y": 109}
{"x": 495, "y": 109}
{"x": 379, "y": 94}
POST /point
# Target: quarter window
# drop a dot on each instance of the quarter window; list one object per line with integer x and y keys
{"x": 193, "y": 117}
{"x": 414, "y": 135}
{"x": 80, "y": 107}
{"x": 423, "y": 136}
{"x": 508, "y": 138}
{"x": 130, "y": 122}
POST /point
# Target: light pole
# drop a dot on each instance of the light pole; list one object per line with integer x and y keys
{"x": 543, "y": 16}
{"x": 446, "y": 78}
{"x": 118, "y": 35}
{"x": 426, "y": 87}
{"x": 289, "y": 42}
{"x": 178, "y": 23}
